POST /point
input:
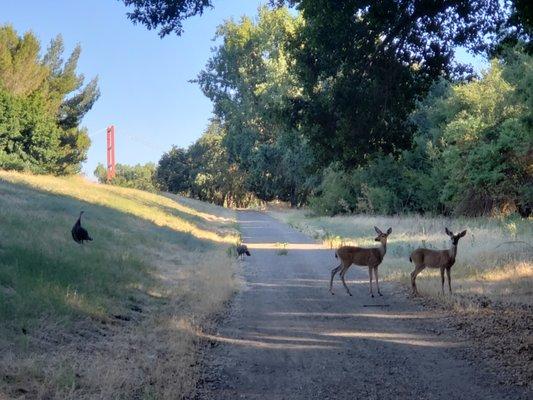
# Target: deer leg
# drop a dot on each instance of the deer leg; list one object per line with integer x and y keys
{"x": 448, "y": 272}
{"x": 343, "y": 272}
{"x": 377, "y": 282}
{"x": 370, "y": 280}
{"x": 333, "y": 273}
{"x": 442, "y": 279}
{"x": 417, "y": 270}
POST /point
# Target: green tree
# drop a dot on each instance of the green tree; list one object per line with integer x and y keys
{"x": 362, "y": 64}
{"x": 471, "y": 154}
{"x": 250, "y": 80}
{"x": 137, "y": 176}
{"x": 213, "y": 177}
{"x": 168, "y": 15}
{"x": 42, "y": 102}
{"x": 173, "y": 171}
{"x": 480, "y": 136}
{"x": 518, "y": 28}
{"x": 165, "y": 14}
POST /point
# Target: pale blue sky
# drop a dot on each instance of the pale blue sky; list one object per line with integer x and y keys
{"x": 143, "y": 79}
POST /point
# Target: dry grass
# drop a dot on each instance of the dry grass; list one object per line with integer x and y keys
{"x": 167, "y": 211}
{"x": 494, "y": 259}
{"x": 492, "y": 304}
{"x": 105, "y": 320}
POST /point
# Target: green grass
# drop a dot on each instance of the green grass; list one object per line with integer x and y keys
{"x": 163, "y": 255}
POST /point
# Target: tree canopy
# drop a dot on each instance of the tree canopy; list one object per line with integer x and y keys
{"x": 471, "y": 152}
{"x": 363, "y": 64}
{"x": 167, "y": 15}
{"x": 360, "y": 106}
{"x": 42, "y": 102}
{"x": 251, "y": 81}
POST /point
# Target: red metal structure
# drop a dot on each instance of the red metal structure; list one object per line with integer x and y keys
{"x": 110, "y": 152}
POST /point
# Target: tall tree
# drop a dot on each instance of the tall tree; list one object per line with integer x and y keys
{"x": 250, "y": 80}
{"x": 173, "y": 171}
{"x": 363, "y": 64}
{"x": 43, "y": 100}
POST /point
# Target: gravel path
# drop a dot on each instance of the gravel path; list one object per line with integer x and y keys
{"x": 287, "y": 337}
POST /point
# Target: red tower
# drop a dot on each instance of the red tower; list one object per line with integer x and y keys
{"x": 110, "y": 152}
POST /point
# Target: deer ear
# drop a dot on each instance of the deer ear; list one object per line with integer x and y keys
{"x": 462, "y": 233}
{"x": 378, "y": 231}
{"x": 389, "y": 231}
{"x": 448, "y": 232}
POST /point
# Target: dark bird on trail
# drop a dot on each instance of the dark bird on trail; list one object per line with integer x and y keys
{"x": 79, "y": 233}
{"x": 242, "y": 249}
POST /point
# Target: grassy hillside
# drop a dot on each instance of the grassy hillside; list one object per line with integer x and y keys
{"x": 493, "y": 259}
{"x": 116, "y": 317}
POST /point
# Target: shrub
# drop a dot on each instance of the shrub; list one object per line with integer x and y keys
{"x": 334, "y": 194}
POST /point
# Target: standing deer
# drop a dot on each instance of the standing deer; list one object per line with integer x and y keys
{"x": 363, "y": 257}
{"x": 443, "y": 259}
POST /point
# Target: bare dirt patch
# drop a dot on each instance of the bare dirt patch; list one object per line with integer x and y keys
{"x": 500, "y": 335}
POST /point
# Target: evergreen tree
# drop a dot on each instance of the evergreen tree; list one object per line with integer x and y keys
{"x": 42, "y": 102}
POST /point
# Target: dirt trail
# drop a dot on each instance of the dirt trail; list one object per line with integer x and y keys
{"x": 286, "y": 337}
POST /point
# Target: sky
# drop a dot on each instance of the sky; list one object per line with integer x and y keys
{"x": 143, "y": 79}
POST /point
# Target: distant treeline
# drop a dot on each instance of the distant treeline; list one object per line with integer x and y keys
{"x": 348, "y": 110}
{"x": 135, "y": 177}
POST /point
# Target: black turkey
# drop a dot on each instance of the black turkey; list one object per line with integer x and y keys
{"x": 79, "y": 233}
{"x": 242, "y": 249}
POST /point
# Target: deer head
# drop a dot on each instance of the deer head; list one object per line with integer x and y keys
{"x": 382, "y": 237}
{"x": 454, "y": 238}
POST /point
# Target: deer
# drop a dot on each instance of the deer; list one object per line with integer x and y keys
{"x": 443, "y": 259}
{"x": 364, "y": 257}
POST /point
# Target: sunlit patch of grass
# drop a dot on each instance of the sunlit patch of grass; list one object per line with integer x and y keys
{"x": 95, "y": 321}
{"x": 282, "y": 249}
{"x": 494, "y": 258}
{"x": 164, "y": 211}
